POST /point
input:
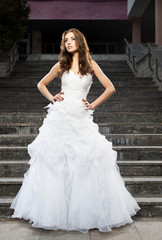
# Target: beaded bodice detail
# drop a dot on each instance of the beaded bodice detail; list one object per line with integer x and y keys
{"x": 75, "y": 85}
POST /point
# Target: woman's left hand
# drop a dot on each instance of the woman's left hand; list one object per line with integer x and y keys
{"x": 89, "y": 106}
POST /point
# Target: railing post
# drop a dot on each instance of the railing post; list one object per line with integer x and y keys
{"x": 149, "y": 60}
{"x": 12, "y": 55}
{"x": 157, "y": 61}
{"x": 9, "y": 64}
{"x": 134, "y": 63}
{"x": 130, "y": 54}
{"x": 157, "y": 76}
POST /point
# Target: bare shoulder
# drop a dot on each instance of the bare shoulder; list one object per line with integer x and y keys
{"x": 53, "y": 73}
{"x": 93, "y": 62}
{"x": 56, "y": 68}
{"x": 96, "y": 68}
{"x": 102, "y": 77}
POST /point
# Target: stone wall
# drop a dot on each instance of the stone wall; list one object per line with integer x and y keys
{"x": 143, "y": 69}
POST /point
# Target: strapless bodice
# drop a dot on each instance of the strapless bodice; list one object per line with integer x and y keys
{"x": 75, "y": 88}
{"x": 75, "y": 85}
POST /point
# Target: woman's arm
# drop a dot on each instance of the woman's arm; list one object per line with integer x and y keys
{"x": 109, "y": 87}
{"x": 46, "y": 80}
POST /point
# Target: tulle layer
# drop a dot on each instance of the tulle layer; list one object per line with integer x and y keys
{"x": 73, "y": 182}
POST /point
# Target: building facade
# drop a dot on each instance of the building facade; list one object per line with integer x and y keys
{"x": 105, "y": 23}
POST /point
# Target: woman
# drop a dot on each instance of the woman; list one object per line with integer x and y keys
{"x": 73, "y": 182}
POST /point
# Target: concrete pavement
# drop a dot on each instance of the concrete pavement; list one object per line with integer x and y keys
{"x": 140, "y": 229}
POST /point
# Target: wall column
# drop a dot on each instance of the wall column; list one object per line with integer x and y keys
{"x": 36, "y": 42}
{"x": 158, "y": 22}
{"x": 136, "y": 31}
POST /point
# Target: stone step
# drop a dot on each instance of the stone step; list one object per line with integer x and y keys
{"x": 21, "y": 118}
{"x": 102, "y": 63}
{"x": 114, "y": 77}
{"x": 108, "y": 108}
{"x": 101, "y": 118}
{"x": 46, "y": 68}
{"x": 140, "y": 168}
{"x": 139, "y": 152}
{"x": 93, "y": 94}
{"x": 121, "y": 93}
{"x": 17, "y": 168}
{"x": 42, "y": 73}
{"x": 117, "y": 83}
{"x": 100, "y": 60}
{"x": 144, "y": 186}
{"x": 53, "y": 58}
{"x": 38, "y": 98}
{"x": 114, "y": 117}
{"x": 120, "y": 84}
{"x": 129, "y": 117}
{"x": 49, "y": 64}
{"x": 104, "y": 128}
{"x": 38, "y": 108}
{"x": 116, "y": 98}
{"x": 124, "y": 152}
{"x": 149, "y": 92}
{"x": 116, "y": 139}
{"x": 135, "y": 139}
{"x": 95, "y": 79}
{"x": 150, "y": 206}
{"x": 18, "y": 96}
{"x": 120, "y": 128}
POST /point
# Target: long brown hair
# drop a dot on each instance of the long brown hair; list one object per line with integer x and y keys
{"x": 65, "y": 57}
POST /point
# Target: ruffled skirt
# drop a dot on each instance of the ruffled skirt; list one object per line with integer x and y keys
{"x": 73, "y": 182}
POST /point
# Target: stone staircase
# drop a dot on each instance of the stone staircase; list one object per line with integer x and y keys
{"x": 131, "y": 119}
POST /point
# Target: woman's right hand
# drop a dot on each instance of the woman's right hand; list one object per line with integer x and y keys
{"x": 58, "y": 97}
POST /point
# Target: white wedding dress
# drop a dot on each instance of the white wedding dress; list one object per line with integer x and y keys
{"x": 73, "y": 182}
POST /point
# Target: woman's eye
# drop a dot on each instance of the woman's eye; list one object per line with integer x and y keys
{"x": 73, "y": 38}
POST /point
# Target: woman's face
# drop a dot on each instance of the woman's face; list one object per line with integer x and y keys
{"x": 70, "y": 43}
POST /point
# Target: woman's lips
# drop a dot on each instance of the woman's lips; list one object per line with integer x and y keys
{"x": 69, "y": 47}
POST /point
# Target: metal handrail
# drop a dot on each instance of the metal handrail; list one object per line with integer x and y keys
{"x": 152, "y": 52}
{"x": 129, "y": 53}
{"x": 12, "y": 56}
